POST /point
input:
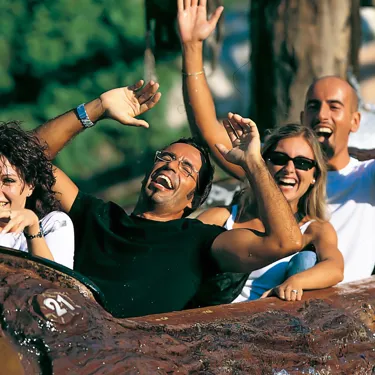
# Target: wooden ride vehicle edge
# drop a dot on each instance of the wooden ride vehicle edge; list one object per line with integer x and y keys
{"x": 51, "y": 323}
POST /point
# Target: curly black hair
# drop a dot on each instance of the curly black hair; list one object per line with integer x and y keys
{"x": 26, "y": 154}
{"x": 206, "y": 174}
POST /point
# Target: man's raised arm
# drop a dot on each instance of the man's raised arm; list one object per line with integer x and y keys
{"x": 121, "y": 104}
{"x": 243, "y": 250}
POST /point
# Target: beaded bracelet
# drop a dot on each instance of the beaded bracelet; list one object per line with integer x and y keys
{"x": 193, "y": 74}
{"x": 30, "y": 237}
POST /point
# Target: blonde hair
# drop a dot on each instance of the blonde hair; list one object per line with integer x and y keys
{"x": 313, "y": 202}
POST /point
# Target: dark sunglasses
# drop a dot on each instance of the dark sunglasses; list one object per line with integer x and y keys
{"x": 300, "y": 162}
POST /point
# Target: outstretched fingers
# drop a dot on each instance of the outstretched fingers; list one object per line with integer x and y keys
{"x": 180, "y": 5}
{"x": 231, "y": 130}
{"x": 137, "y": 122}
{"x": 145, "y": 93}
{"x": 240, "y": 125}
{"x": 236, "y": 120}
{"x": 187, "y": 4}
{"x": 150, "y": 102}
{"x": 234, "y": 133}
{"x": 136, "y": 86}
{"x": 243, "y": 125}
{"x": 215, "y": 16}
{"x": 203, "y": 3}
{"x": 147, "y": 105}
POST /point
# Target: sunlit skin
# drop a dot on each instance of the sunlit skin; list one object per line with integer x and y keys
{"x": 331, "y": 111}
{"x": 293, "y": 147}
{"x": 14, "y": 191}
{"x": 14, "y": 217}
{"x": 162, "y": 200}
{"x": 13, "y": 194}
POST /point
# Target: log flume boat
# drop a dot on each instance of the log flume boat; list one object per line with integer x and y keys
{"x": 52, "y": 322}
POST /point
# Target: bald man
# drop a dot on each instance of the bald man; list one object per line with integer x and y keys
{"x": 331, "y": 109}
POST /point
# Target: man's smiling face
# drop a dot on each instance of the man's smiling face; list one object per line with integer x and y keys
{"x": 168, "y": 183}
{"x": 331, "y": 111}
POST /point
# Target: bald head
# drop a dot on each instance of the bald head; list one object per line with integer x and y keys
{"x": 331, "y": 110}
{"x": 338, "y": 82}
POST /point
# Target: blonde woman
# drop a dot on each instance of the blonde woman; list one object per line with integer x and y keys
{"x": 294, "y": 159}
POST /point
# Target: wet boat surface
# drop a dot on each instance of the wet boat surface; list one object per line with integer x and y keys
{"x": 52, "y": 323}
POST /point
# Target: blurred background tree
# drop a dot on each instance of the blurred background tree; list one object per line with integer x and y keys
{"x": 58, "y": 54}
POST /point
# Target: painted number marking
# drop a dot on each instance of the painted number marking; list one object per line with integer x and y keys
{"x": 58, "y": 305}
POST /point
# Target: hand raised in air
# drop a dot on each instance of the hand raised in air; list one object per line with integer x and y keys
{"x": 245, "y": 139}
{"x": 125, "y": 103}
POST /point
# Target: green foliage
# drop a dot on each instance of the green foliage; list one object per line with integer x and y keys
{"x": 57, "y": 54}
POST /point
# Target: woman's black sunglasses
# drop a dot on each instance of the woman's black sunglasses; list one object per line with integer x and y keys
{"x": 300, "y": 162}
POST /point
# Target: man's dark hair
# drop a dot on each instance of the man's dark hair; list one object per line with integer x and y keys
{"x": 206, "y": 174}
{"x": 26, "y": 154}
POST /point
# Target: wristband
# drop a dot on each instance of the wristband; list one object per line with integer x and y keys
{"x": 84, "y": 117}
{"x": 193, "y": 74}
{"x": 30, "y": 237}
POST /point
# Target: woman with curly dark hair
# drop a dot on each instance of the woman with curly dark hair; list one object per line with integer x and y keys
{"x": 30, "y": 219}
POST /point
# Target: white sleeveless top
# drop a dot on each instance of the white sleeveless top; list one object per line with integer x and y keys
{"x": 266, "y": 278}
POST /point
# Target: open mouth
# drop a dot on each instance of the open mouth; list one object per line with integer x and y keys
{"x": 3, "y": 204}
{"x": 322, "y": 131}
{"x": 163, "y": 181}
{"x": 288, "y": 182}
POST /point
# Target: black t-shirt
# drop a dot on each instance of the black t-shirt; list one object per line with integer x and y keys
{"x": 142, "y": 266}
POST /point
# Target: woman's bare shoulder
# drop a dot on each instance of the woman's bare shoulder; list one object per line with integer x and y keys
{"x": 215, "y": 215}
{"x": 318, "y": 225}
{"x": 318, "y": 229}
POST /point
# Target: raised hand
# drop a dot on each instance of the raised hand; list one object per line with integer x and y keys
{"x": 125, "y": 103}
{"x": 245, "y": 139}
{"x": 192, "y": 19}
{"x": 16, "y": 221}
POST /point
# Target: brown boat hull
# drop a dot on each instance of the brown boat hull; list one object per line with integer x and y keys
{"x": 52, "y": 323}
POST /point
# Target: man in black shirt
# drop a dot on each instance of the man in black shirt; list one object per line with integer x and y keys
{"x": 155, "y": 259}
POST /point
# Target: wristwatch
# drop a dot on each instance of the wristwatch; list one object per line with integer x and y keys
{"x": 83, "y": 116}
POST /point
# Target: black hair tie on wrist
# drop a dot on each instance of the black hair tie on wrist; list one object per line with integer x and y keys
{"x": 32, "y": 236}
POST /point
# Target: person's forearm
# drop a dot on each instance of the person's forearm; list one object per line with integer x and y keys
{"x": 198, "y": 100}
{"x": 200, "y": 107}
{"x": 323, "y": 275}
{"x": 274, "y": 211}
{"x": 60, "y": 130}
{"x": 362, "y": 155}
{"x": 37, "y": 246}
